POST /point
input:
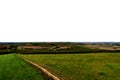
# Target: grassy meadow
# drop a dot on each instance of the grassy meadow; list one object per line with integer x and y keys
{"x": 12, "y": 68}
{"x": 91, "y": 66}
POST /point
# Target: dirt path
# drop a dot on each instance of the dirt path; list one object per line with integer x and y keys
{"x": 45, "y": 71}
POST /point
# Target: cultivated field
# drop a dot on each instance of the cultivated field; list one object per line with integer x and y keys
{"x": 91, "y": 66}
{"x": 12, "y": 68}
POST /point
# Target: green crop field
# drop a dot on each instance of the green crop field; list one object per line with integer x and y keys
{"x": 91, "y": 66}
{"x": 12, "y": 68}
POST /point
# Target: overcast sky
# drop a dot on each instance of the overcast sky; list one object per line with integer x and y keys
{"x": 59, "y": 20}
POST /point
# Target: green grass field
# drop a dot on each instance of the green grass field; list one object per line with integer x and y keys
{"x": 12, "y": 68}
{"x": 91, "y": 66}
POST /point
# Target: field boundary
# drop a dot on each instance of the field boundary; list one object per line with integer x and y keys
{"x": 46, "y": 74}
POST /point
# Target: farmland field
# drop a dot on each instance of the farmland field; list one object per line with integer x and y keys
{"x": 12, "y": 68}
{"x": 91, "y": 66}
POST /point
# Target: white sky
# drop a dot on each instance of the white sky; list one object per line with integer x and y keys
{"x": 59, "y": 20}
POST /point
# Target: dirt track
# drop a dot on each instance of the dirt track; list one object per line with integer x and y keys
{"x": 46, "y": 72}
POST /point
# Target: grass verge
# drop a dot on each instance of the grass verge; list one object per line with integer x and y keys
{"x": 12, "y": 68}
